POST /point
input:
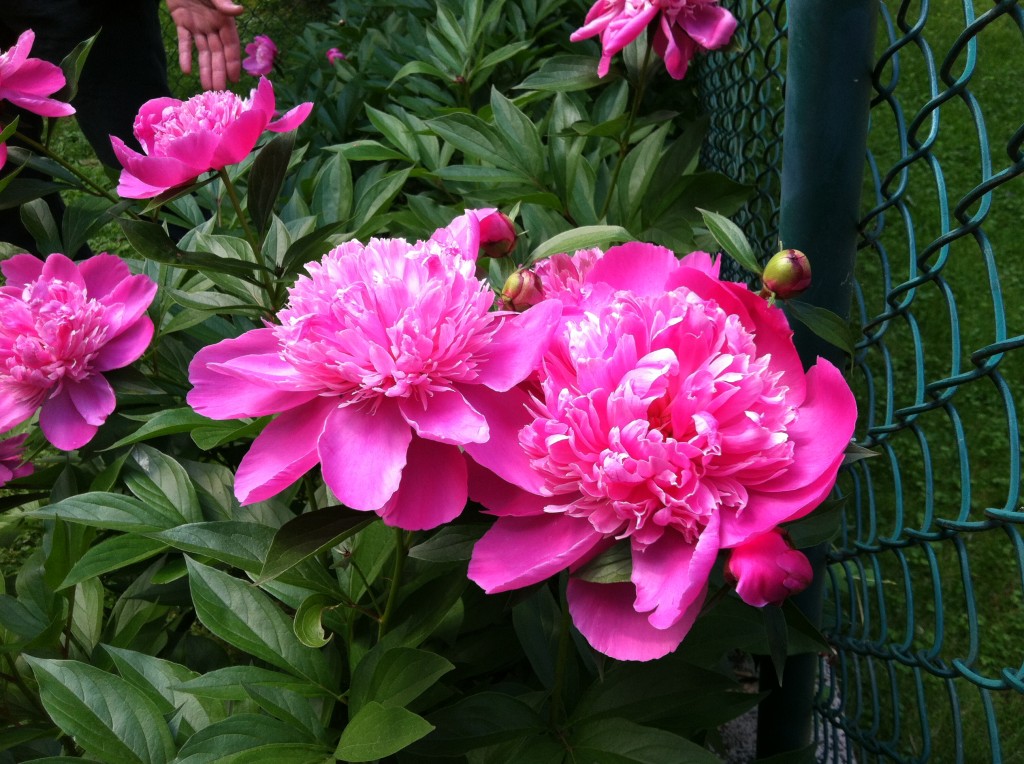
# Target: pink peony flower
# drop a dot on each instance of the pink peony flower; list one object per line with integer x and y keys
{"x": 62, "y": 324}
{"x": 767, "y": 570}
{"x": 184, "y": 139}
{"x": 26, "y": 82}
{"x": 386, "y": 361}
{"x": 672, "y": 415}
{"x": 260, "y": 55}
{"x": 684, "y": 26}
{"x": 11, "y": 463}
{"x": 335, "y": 55}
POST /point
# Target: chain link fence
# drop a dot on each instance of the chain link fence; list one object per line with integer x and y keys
{"x": 924, "y": 601}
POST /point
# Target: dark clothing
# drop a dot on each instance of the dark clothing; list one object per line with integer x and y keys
{"x": 126, "y": 67}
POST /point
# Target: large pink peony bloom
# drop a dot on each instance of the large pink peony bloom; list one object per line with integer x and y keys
{"x": 27, "y": 82}
{"x": 260, "y": 55}
{"x": 684, "y": 26}
{"x": 673, "y": 415}
{"x": 184, "y": 139}
{"x": 12, "y": 464}
{"x": 386, "y": 361}
{"x": 62, "y": 324}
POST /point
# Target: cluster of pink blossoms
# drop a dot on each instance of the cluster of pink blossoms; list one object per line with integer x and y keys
{"x": 671, "y": 414}
{"x": 683, "y": 28}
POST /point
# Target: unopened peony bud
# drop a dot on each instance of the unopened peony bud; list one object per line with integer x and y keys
{"x": 521, "y": 290}
{"x": 497, "y": 235}
{"x": 787, "y": 274}
{"x": 767, "y": 570}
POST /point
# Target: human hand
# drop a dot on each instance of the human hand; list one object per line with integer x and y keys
{"x": 210, "y": 25}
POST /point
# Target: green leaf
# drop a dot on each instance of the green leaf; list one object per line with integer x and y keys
{"x": 612, "y": 566}
{"x": 112, "y": 554}
{"x": 820, "y": 526}
{"x": 106, "y": 715}
{"x": 450, "y": 543}
{"x": 39, "y": 222}
{"x": 250, "y": 739}
{"x": 468, "y": 173}
{"x": 855, "y": 452}
{"x": 157, "y": 479}
{"x": 377, "y": 731}
{"x": 309, "y": 534}
{"x": 417, "y": 67}
{"x": 165, "y": 423}
{"x": 732, "y": 240}
{"x": 246, "y": 618}
{"x": 112, "y": 511}
{"x": 370, "y": 151}
{"x": 290, "y": 707}
{"x": 237, "y": 543}
{"x": 474, "y": 138}
{"x": 219, "y": 433}
{"x": 307, "y": 625}
{"x": 563, "y": 74}
{"x": 580, "y": 238}
{"x": 537, "y": 621}
{"x": 71, "y": 66}
{"x": 152, "y": 242}
{"x": 229, "y": 683}
{"x": 778, "y": 637}
{"x": 519, "y": 134}
{"x": 395, "y": 131}
{"x": 479, "y": 720}
{"x": 395, "y": 676}
{"x": 824, "y": 323}
{"x": 266, "y": 178}
{"x": 618, "y": 741}
{"x": 377, "y": 198}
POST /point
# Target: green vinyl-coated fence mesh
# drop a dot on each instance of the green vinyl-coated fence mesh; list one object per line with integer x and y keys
{"x": 925, "y": 584}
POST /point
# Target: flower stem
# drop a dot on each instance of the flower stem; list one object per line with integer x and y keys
{"x": 557, "y": 710}
{"x": 624, "y": 140}
{"x": 401, "y": 553}
{"x": 250, "y": 235}
{"x": 39, "y": 147}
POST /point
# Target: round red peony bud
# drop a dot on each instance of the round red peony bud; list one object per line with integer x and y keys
{"x": 787, "y": 274}
{"x": 497, "y": 235}
{"x": 522, "y": 289}
{"x": 767, "y": 570}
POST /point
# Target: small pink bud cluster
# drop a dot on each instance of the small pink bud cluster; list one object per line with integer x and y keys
{"x": 787, "y": 274}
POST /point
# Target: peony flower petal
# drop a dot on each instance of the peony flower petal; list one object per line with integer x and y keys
{"x": 433, "y": 487}
{"x": 62, "y": 268}
{"x": 506, "y": 415}
{"x": 604, "y": 615}
{"x": 675, "y": 47}
{"x": 62, "y": 424}
{"x": 501, "y": 497}
{"x": 520, "y": 551}
{"x": 127, "y": 347}
{"x": 21, "y": 270}
{"x": 285, "y": 451}
{"x": 93, "y": 398}
{"x": 16, "y": 406}
{"x": 103, "y": 272}
{"x": 638, "y": 267}
{"x": 133, "y": 296}
{"x": 238, "y": 139}
{"x": 292, "y": 118}
{"x": 362, "y": 454}
{"x": 519, "y": 344}
{"x": 710, "y": 26}
{"x": 220, "y": 396}
{"x": 446, "y": 418}
{"x": 670, "y": 573}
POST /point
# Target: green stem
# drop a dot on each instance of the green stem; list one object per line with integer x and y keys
{"x": 100, "y": 191}
{"x": 557, "y": 710}
{"x": 401, "y": 553}
{"x": 624, "y": 141}
{"x": 307, "y": 481}
{"x": 250, "y": 235}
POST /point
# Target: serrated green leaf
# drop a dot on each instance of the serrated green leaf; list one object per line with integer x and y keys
{"x": 377, "y": 731}
{"x": 112, "y": 554}
{"x": 309, "y": 534}
{"x": 580, "y": 238}
{"x": 106, "y": 715}
{"x": 246, "y": 618}
{"x": 731, "y": 239}
{"x": 824, "y": 323}
{"x": 612, "y": 566}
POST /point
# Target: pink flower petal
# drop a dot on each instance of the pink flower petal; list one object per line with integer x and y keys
{"x": 519, "y": 344}
{"x": 285, "y": 451}
{"x": 219, "y": 396}
{"x": 127, "y": 347}
{"x": 433, "y": 487}
{"x": 292, "y": 118}
{"x": 670, "y": 573}
{"x": 238, "y": 139}
{"x": 506, "y": 415}
{"x": 21, "y": 270}
{"x": 362, "y": 454}
{"x": 62, "y": 268}
{"x": 62, "y": 424}
{"x": 447, "y": 418}
{"x": 93, "y": 397}
{"x": 638, "y": 267}
{"x": 675, "y": 47}
{"x": 133, "y": 296}
{"x": 604, "y": 615}
{"x": 103, "y": 272}
{"x": 17, "y": 406}
{"x": 501, "y": 497}
{"x": 520, "y": 551}
{"x": 710, "y": 26}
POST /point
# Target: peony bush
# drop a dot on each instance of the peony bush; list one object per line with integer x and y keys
{"x": 418, "y": 417}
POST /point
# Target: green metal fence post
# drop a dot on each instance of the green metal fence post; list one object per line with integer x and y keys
{"x": 828, "y": 87}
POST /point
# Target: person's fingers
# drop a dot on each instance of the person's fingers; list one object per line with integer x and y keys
{"x": 184, "y": 50}
{"x": 205, "y": 64}
{"x": 218, "y": 68}
{"x": 228, "y": 8}
{"x": 232, "y": 50}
